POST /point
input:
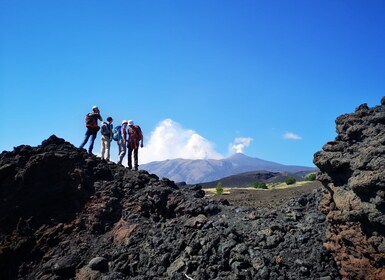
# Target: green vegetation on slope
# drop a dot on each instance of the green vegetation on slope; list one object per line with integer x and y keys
{"x": 220, "y": 189}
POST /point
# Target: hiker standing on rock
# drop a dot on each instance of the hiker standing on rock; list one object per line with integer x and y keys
{"x": 122, "y": 139}
{"x": 92, "y": 127}
{"x": 106, "y": 131}
{"x": 135, "y": 137}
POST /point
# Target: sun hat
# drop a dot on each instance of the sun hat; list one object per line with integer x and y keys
{"x": 123, "y": 122}
{"x": 130, "y": 122}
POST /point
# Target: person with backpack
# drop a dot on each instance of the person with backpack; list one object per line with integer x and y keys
{"x": 92, "y": 127}
{"x": 120, "y": 135}
{"x": 135, "y": 139}
{"x": 106, "y": 131}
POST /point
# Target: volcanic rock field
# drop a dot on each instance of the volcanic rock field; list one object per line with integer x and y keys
{"x": 66, "y": 214}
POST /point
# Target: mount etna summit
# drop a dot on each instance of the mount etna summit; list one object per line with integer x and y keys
{"x": 206, "y": 170}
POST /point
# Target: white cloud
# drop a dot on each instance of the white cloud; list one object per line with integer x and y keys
{"x": 170, "y": 140}
{"x": 239, "y": 144}
{"x": 292, "y": 136}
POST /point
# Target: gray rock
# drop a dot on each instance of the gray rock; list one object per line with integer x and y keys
{"x": 98, "y": 263}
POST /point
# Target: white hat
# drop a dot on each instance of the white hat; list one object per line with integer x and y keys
{"x": 95, "y": 108}
{"x": 130, "y": 122}
{"x": 123, "y": 122}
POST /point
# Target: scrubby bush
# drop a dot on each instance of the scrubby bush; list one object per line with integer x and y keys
{"x": 290, "y": 180}
{"x": 219, "y": 189}
{"x": 311, "y": 177}
{"x": 260, "y": 185}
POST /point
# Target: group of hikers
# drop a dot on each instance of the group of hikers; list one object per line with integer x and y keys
{"x": 126, "y": 135}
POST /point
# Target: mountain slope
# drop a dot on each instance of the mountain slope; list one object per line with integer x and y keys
{"x": 247, "y": 179}
{"x": 200, "y": 171}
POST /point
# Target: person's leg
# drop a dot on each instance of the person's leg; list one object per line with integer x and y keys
{"x": 93, "y": 137}
{"x": 136, "y": 158}
{"x": 129, "y": 158}
{"x": 103, "y": 147}
{"x": 108, "y": 146}
{"x": 86, "y": 137}
{"x": 122, "y": 151}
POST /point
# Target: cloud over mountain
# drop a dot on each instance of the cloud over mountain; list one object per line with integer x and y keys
{"x": 239, "y": 144}
{"x": 171, "y": 140}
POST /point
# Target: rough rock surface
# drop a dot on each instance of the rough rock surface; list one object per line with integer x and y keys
{"x": 353, "y": 173}
{"x": 66, "y": 214}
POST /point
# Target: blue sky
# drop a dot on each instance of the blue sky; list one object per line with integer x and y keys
{"x": 202, "y": 78}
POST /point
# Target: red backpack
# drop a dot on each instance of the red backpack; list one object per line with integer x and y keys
{"x": 135, "y": 133}
{"x": 91, "y": 121}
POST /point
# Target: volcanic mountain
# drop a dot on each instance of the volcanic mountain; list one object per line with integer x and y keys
{"x": 200, "y": 171}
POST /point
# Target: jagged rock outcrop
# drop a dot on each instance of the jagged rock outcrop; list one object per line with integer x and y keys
{"x": 353, "y": 173}
{"x": 66, "y": 214}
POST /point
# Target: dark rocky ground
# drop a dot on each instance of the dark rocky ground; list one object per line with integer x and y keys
{"x": 66, "y": 214}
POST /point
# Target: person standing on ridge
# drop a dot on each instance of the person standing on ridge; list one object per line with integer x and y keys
{"x": 92, "y": 127}
{"x": 122, "y": 141}
{"x": 106, "y": 131}
{"x": 135, "y": 138}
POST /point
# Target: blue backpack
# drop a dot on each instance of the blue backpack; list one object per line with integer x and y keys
{"x": 117, "y": 133}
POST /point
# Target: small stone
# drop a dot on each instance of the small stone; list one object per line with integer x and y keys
{"x": 98, "y": 263}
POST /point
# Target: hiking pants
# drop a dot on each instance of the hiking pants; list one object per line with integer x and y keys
{"x": 89, "y": 133}
{"x": 129, "y": 163}
{"x": 122, "y": 150}
{"x": 106, "y": 144}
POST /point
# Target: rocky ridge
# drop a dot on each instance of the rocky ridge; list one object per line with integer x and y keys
{"x": 353, "y": 174}
{"x": 66, "y": 214}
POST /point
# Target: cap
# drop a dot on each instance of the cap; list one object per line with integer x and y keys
{"x": 123, "y": 122}
{"x": 130, "y": 122}
{"x": 95, "y": 108}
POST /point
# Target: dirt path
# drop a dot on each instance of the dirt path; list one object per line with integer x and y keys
{"x": 267, "y": 198}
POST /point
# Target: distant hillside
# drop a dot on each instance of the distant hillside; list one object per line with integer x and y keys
{"x": 201, "y": 171}
{"x": 247, "y": 179}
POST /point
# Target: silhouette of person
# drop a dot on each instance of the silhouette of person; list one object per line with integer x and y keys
{"x": 92, "y": 127}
